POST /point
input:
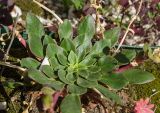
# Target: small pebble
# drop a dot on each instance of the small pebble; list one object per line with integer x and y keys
{"x": 3, "y": 105}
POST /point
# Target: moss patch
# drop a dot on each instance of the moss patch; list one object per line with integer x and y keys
{"x": 146, "y": 90}
{"x": 29, "y": 6}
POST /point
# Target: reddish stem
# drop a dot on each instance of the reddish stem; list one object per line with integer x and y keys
{"x": 20, "y": 38}
{"x": 55, "y": 100}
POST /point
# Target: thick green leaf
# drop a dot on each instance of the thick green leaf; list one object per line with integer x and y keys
{"x": 37, "y": 76}
{"x": 48, "y": 70}
{"x": 94, "y": 76}
{"x": 137, "y": 76}
{"x": 122, "y": 59}
{"x": 115, "y": 81}
{"x": 130, "y": 54}
{"x": 65, "y": 30}
{"x": 79, "y": 40}
{"x": 108, "y": 94}
{"x": 83, "y": 73}
{"x": 99, "y": 47}
{"x": 55, "y": 64}
{"x": 57, "y": 85}
{"x": 72, "y": 58}
{"x": 42, "y": 79}
{"x": 76, "y": 89}
{"x": 71, "y": 77}
{"x": 88, "y": 61}
{"x": 71, "y": 104}
{"x": 48, "y": 40}
{"x": 87, "y": 27}
{"x": 29, "y": 63}
{"x": 86, "y": 83}
{"x": 94, "y": 69}
{"x": 35, "y": 34}
{"x": 62, "y": 76}
{"x": 83, "y": 50}
{"x": 111, "y": 36}
{"x": 107, "y": 63}
{"x": 68, "y": 45}
{"x": 62, "y": 59}
{"x": 53, "y": 49}
{"x": 78, "y": 3}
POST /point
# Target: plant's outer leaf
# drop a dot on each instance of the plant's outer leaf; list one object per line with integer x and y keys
{"x": 78, "y": 3}
{"x": 94, "y": 69}
{"x": 122, "y": 59}
{"x": 65, "y": 30}
{"x": 55, "y": 64}
{"x": 53, "y": 49}
{"x": 115, "y": 81}
{"x": 86, "y": 83}
{"x": 130, "y": 54}
{"x": 37, "y": 76}
{"x": 72, "y": 58}
{"x": 73, "y": 88}
{"x": 68, "y": 45}
{"x": 137, "y": 76}
{"x": 70, "y": 77}
{"x": 48, "y": 90}
{"x": 86, "y": 31}
{"x": 62, "y": 76}
{"x": 107, "y": 63}
{"x": 79, "y": 40}
{"x": 46, "y": 69}
{"x": 83, "y": 45}
{"x": 87, "y": 27}
{"x": 99, "y": 47}
{"x": 111, "y": 36}
{"x": 62, "y": 59}
{"x": 48, "y": 40}
{"x": 71, "y": 104}
{"x": 108, "y": 94}
{"x": 83, "y": 50}
{"x": 29, "y": 63}
{"x": 57, "y": 85}
{"x": 35, "y": 34}
{"x": 88, "y": 61}
{"x": 83, "y": 73}
{"x": 94, "y": 76}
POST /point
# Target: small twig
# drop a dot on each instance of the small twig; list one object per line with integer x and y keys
{"x": 12, "y": 38}
{"x": 12, "y": 66}
{"x": 136, "y": 47}
{"x": 154, "y": 94}
{"x": 50, "y": 11}
{"x": 128, "y": 28}
{"x": 19, "y": 37}
{"x": 102, "y": 96}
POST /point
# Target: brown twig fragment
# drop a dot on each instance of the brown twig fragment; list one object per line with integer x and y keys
{"x": 128, "y": 28}
{"x": 50, "y": 11}
{"x": 12, "y": 66}
{"x": 12, "y": 39}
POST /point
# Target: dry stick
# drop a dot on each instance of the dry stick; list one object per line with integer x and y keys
{"x": 50, "y": 11}
{"x": 8, "y": 49}
{"x": 12, "y": 38}
{"x": 12, "y": 66}
{"x": 128, "y": 28}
